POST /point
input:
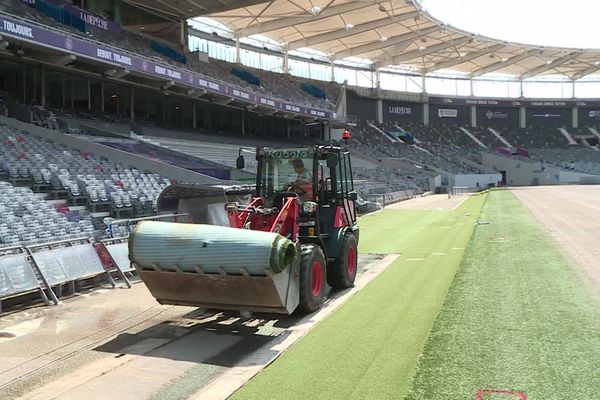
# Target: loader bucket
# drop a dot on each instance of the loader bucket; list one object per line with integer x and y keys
{"x": 216, "y": 267}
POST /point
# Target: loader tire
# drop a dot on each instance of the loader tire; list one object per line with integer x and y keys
{"x": 342, "y": 273}
{"x": 313, "y": 278}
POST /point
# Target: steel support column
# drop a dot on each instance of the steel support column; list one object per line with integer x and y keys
{"x": 286, "y": 62}
{"x": 194, "y": 114}
{"x": 132, "y": 104}
{"x": 238, "y": 59}
{"x": 102, "y": 96}
{"x": 43, "y": 86}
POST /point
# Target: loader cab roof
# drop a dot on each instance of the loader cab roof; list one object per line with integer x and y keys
{"x": 297, "y": 152}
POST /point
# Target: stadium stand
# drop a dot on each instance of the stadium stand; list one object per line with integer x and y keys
{"x": 431, "y": 151}
{"x": 218, "y": 152}
{"x": 216, "y": 149}
{"x": 78, "y": 177}
{"x": 534, "y": 137}
{"x": 277, "y": 85}
{"x": 581, "y": 159}
{"x": 486, "y": 137}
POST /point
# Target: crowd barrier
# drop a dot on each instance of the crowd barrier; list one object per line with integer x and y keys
{"x": 50, "y": 267}
{"x": 385, "y": 199}
{"x": 17, "y": 276}
{"x": 66, "y": 262}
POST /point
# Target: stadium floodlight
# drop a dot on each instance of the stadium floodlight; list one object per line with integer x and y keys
{"x": 109, "y": 72}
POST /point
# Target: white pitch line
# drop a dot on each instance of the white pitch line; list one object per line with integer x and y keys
{"x": 230, "y": 381}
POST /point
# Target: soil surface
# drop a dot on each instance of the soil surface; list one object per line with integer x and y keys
{"x": 572, "y": 216}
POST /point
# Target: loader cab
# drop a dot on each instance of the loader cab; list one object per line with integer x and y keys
{"x": 320, "y": 177}
{"x": 285, "y": 172}
{"x": 336, "y": 195}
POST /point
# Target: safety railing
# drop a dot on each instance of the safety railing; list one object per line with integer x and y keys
{"x": 393, "y": 197}
{"x": 122, "y": 227}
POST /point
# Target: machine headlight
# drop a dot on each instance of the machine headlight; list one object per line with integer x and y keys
{"x": 309, "y": 207}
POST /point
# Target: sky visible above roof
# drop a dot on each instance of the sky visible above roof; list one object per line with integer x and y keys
{"x": 538, "y": 22}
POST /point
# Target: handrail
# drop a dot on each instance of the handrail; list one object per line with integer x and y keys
{"x": 131, "y": 221}
{"x": 69, "y": 241}
{"x": 4, "y": 251}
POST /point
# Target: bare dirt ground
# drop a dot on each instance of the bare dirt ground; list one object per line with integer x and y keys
{"x": 572, "y": 215}
{"x": 435, "y": 202}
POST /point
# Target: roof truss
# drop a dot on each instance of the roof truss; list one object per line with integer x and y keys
{"x": 502, "y": 64}
{"x": 340, "y": 34}
{"x": 295, "y": 20}
{"x": 548, "y": 66}
{"x": 396, "y": 40}
{"x": 399, "y": 59}
{"x": 585, "y": 72}
{"x": 467, "y": 57}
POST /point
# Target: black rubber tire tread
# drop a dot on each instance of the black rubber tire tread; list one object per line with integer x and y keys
{"x": 337, "y": 272}
{"x": 309, "y": 253}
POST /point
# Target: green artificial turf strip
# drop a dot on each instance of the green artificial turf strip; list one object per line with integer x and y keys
{"x": 519, "y": 316}
{"x": 368, "y": 348}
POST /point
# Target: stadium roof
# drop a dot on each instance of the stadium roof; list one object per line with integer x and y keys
{"x": 399, "y": 32}
{"x": 185, "y": 9}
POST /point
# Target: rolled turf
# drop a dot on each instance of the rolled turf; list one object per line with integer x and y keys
{"x": 368, "y": 349}
{"x": 519, "y": 317}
